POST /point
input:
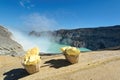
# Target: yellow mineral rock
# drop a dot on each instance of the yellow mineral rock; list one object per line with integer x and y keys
{"x": 71, "y": 54}
{"x": 32, "y": 56}
{"x": 70, "y": 50}
{"x": 64, "y": 48}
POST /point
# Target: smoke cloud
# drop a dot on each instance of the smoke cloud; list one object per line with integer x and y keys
{"x": 30, "y": 41}
{"x": 35, "y": 22}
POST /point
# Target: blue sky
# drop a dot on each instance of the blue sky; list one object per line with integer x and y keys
{"x": 49, "y": 14}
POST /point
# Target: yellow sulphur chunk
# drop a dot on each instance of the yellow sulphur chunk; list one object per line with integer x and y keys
{"x": 35, "y": 51}
{"x": 64, "y": 48}
{"x": 32, "y": 56}
{"x": 70, "y": 50}
{"x": 32, "y": 60}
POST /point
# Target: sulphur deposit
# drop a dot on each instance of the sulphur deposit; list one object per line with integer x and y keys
{"x": 32, "y": 56}
{"x": 70, "y": 50}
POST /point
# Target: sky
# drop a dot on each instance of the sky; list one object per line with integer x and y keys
{"x": 58, "y": 14}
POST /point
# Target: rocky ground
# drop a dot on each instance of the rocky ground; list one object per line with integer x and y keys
{"x": 97, "y": 65}
{"x": 8, "y": 46}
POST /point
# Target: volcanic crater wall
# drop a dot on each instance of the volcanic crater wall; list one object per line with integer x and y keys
{"x": 92, "y": 38}
{"x": 7, "y": 44}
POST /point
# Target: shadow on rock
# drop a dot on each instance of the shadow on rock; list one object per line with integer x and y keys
{"x": 58, "y": 63}
{"x": 15, "y": 74}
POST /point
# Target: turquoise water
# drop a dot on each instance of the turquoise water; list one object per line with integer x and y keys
{"x": 55, "y": 48}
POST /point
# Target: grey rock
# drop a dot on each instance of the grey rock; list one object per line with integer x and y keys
{"x": 7, "y": 45}
{"x": 91, "y": 38}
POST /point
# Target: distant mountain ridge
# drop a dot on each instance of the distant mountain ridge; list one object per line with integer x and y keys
{"x": 91, "y": 38}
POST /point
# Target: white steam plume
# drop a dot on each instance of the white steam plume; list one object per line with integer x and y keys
{"x": 38, "y": 23}
{"x": 29, "y": 41}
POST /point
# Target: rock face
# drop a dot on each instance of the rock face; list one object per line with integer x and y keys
{"x": 91, "y": 38}
{"x": 7, "y": 45}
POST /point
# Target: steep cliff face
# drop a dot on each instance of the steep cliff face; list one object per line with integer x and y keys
{"x": 7, "y": 45}
{"x": 92, "y": 38}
